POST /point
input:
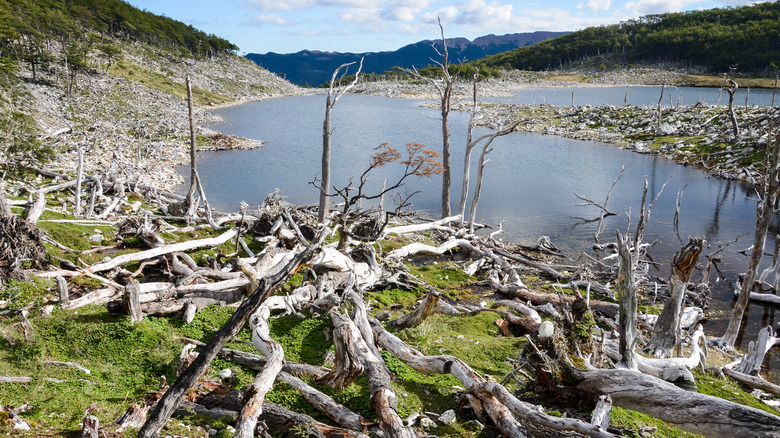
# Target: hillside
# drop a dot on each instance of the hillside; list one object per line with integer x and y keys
{"x": 109, "y": 79}
{"x": 315, "y": 68}
{"x": 713, "y": 40}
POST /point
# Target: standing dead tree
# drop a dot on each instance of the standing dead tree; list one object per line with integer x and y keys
{"x": 192, "y": 204}
{"x": 444, "y": 85}
{"x": 486, "y": 149}
{"x": 766, "y": 209}
{"x": 667, "y": 332}
{"x": 732, "y": 90}
{"x": 333, "y": 97}
{"x": 471, "y": 143}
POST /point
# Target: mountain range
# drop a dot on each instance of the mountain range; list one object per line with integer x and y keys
{"x": 315, "y": 67}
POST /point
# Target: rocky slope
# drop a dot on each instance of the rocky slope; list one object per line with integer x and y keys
{"x": 132, "y": 121}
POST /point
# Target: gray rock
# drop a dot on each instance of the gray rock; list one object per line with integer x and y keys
{"x": 546, "y": 330}
{"x": 447, "y": 417}
{"x": 411, "y": 420}
{"x": 427, "y": 423}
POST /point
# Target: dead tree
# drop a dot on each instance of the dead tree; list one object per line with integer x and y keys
{"x": 187, "y": 379}
{"x": 192, "y": 205}
{"x": 732, "y": 90}
{"x": 766, "y": 209}
{"x": 698, "y": 413}
{"x": 628, "y": 301}
{"x": 444, "y": 86}
{"x": 486, "y": 149}
{"x": 5, "y": 207}
{"x": 667, "y": 331}
{"x": 190, "y": 199}
{"x": 255, "y": 395}
{"x": 330, "y": 102}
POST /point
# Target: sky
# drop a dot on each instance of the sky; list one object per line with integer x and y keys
{"x": 288, "y": 26}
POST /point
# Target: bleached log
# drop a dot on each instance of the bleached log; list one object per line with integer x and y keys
{"x": 521, "y": 309}
{"x": 541, "y": 298}
{"x": 502, "y": 407}
{"x": 185, "y": 381}
{"x": 176, "y": 247}
{"x": 76, "y": 365}
{"x": 14, "y": 379}
{"x": 325, "y": 404}
{"x": 423, "y": 310}
{"x": 331, "y": 258}
{"x": 710, "y": 416}
{"x": 100, "y": 296}
{"x": 254, "y": 397}
{"x": 90, "y": 427}
{"x": 421, "y": 248}
{"x": 292, "y": 302}
{"x": 37, "y": 209}
{"x": 416, "y": 228}
{"x": 257, "y": 362}
{"x": 57, "y": 187}
{"x": 751, "y": 363}
{"x": 133, "y": 417}
{"x": 383, "y": 397}
{"x": 62, "y": 290}
{"x": 762, "y": 297}
{"x": 755, "y": 382}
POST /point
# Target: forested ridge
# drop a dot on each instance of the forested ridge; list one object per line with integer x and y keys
{"x": 713, "y": 39}
{"x": 29, "y": 29}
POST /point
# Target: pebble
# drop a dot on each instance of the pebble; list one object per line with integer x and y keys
{"x": 546, "y": 330}
{"x": 427, "y": 423}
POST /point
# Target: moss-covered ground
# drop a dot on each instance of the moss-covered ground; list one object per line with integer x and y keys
{"x": 127, "y": 361}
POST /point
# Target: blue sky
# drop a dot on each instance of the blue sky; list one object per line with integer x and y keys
{"x": 286, "y": 26}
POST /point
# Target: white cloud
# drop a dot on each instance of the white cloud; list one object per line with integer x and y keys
{"x": 645, "y": 7}
{"x": 360, "y": 16}
{"x": 596, "y": 5}
{"x": 289, "y": 5}
{"x": 274, "y": 19}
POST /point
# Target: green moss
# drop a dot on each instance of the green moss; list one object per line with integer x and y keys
{"x": 125, "y": 361}
{"x": 635, "y": 420}
{"x": 727, "y": 389}
{"x": 389, "y": 297}
{"x": 303, "y": 340}
{"x": 17, "y": 294}
{"x": 442, "y": 276}
{"x": 473, "y": 338}
{"x": 585, "y": 325}
{"x": 419, "y": 392}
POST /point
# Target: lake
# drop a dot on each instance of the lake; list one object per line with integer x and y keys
{"x": 529, "y": 186}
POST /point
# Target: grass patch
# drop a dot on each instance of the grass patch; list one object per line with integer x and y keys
{"x": 443, "y": 276}
{"x": 636, "y": 420}
{"x": 125, "y": 361}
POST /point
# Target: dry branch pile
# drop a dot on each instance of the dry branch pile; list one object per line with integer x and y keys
{"x": 558, "y": 364}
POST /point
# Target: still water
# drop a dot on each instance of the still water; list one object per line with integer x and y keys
{"x": 529, "y": 186}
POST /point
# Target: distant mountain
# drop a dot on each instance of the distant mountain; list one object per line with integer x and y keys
{"x": 315, "y": 68}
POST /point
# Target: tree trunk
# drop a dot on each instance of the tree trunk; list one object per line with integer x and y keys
{"x": 131, "y": 302}
{"x": 668, "y": 331}
{"x": 253, "y": 405}
{"x": 627, "y": 291}
{"x": 190, "y": 199}
{"x": 698, "y": 413}
{"x": 765, "y": 211}
{"x": 445, "y": 148}
{"x": 184, "y": 382}
{"x": 325, "y": 184}
{"x": 79, "y": 179}
{"x": 5, "y": 207}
